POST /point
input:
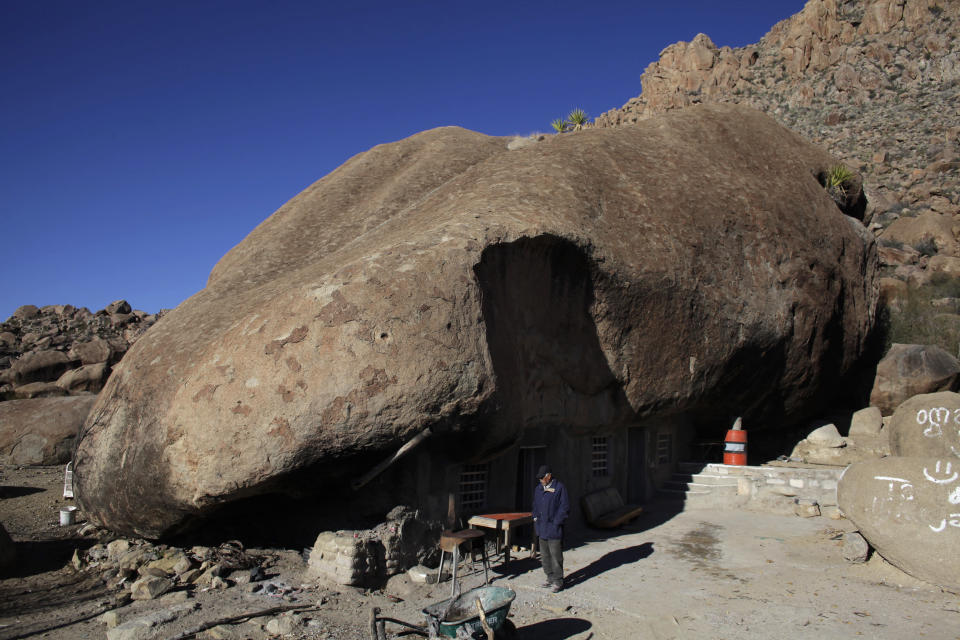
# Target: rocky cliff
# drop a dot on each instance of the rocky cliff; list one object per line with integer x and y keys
{"x": 65, "y": 350}
{"x": 874, "y": 81}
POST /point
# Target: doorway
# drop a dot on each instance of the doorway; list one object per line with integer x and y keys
{"x": 636, "y": 465}
{"x": 530, "y": 460}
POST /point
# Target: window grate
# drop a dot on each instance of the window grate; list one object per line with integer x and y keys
{"x": 598, "y": 458}
{"x": 664, "y": 448}
{"x": 473, "y": 486}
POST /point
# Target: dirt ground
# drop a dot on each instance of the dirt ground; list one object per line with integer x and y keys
{"x": 730, "y": 574}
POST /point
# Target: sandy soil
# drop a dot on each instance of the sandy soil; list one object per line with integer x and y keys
{"x": 729, "y": 574}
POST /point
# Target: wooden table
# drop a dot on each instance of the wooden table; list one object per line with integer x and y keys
{"x": 503, "y": 522}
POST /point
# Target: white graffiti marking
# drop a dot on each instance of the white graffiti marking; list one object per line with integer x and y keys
{"x": 953, "y": 521}
{"x": 905, "y": 486}
{"x": 954, "y": 497}
{"x": 946, "y": 478}
{"x": 934, "y": 418}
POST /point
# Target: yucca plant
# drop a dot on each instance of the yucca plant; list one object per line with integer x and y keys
{"x": 838, "y": 180}
{"x": 838, "y": 177}
{"x": 559, "y": 125}
{"x": 578, "y": 118}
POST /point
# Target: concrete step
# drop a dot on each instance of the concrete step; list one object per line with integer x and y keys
{"x": 705, "y": 478}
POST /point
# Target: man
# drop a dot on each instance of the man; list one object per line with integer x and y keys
{"x": 551, "y": 506}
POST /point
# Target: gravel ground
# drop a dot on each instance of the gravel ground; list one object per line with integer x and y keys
{"x": 730, "y": 574}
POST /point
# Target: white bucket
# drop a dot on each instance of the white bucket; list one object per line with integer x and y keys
{"x": 67, "y": 516}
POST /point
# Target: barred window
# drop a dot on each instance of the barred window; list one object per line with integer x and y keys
{"x": 598, "y": 457}
{"x": 664, "y": 447}
{"x": 473, "y": 486}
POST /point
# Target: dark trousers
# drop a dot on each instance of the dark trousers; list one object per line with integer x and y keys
{"x": 551, "y": 556}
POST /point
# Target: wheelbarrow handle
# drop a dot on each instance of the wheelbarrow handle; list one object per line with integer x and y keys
{"x": 377, "y": 631}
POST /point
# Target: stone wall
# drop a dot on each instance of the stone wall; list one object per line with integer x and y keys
{"x": 369, "y": 556}
{"x": 783, "y": 489}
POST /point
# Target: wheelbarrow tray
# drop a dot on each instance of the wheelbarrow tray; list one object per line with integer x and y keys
{"x": 495, "y": 601}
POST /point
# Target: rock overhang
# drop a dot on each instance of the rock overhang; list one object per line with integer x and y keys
{"x": 693, "y": 250}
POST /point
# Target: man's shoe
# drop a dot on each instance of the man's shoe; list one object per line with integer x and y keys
{"x": 546, "y": 585}
{"x": 556, "y": 587}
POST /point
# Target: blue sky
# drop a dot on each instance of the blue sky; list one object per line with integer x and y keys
{"x": 142, "y": 140}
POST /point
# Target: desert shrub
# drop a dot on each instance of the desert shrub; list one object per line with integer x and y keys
{"x": 559, "y": 125}
{"x": 926, "y": 247}
{"x": 890, "y": 242}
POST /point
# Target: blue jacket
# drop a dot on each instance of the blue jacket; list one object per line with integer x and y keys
{"x": 551, "y": 506}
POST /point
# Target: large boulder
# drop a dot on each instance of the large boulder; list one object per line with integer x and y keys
{"x": 692, "y": 264}
{"x": 912, "y": 369}
{"x": 928, "y": 426}
{"x": 41, "y": 431}
{"x": 40, "y": 366}
{"x": 909, "y": 511}
{"x": 89, "y": 378}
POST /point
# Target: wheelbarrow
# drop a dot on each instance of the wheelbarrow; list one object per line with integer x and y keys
{"x": 478, "y": 613}
{"x": 461, "y": 618}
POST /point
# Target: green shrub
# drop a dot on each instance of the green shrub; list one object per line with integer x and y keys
{"x": 578, "y": 118}
{"x": 839, "y": 177}
{"x": 559, "y": 125}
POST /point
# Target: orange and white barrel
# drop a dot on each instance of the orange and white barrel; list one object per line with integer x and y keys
{"x": 735, "y": 447}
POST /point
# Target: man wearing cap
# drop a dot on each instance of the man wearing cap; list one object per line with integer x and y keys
{"x": 551, "y": 506}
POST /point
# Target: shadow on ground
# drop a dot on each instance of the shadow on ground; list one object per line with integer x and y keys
{"x": 608, "y": 562}
{"x": 556, "y": 629}
{"x": 34, "y": 557}
{"x": 18, "y": 492}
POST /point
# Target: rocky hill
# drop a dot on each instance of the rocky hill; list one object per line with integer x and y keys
{"x": 58, "y": 350}
{"x": 876, "y": 82}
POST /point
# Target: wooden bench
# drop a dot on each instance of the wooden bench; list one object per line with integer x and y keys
{"x": 605, "y": 509}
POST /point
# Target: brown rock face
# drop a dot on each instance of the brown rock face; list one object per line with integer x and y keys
{"x": 692, "y": 264}
{"x": 909, "y": 510}
{"x": 911, "y": 369}
{"x": 41, "y": 431}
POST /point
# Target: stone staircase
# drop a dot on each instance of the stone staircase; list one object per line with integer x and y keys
{"x": 697, "y": 485}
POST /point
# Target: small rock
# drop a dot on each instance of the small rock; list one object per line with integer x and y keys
{"x": 866, "y": 422}
{"x": 76, "y": 561}
{"x": 149, "y": 587}
{"x": 219, "y": 583}
{"x": 284, "y": 624}
{"x": 826, "y": 436}
{"x": 175, "y": 596}
{"x": 111, "y": 619}
{"x": 832, "y": 512}
{"x": 143, "y": 628}
{"x": 118, "y": 548}
{"x": 806, "y": 508}
{"x": 855, "y": 547}
{"x": 183, "y": 566}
